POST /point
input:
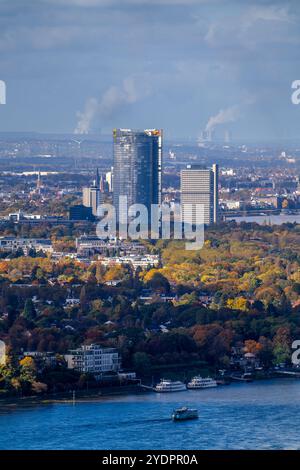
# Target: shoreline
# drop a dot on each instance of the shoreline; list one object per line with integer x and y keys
{"x": 80, "y": 396}
{"x": 96, "y": 395}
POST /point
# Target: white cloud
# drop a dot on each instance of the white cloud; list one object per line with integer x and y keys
{"x": 271, "y": 13}
{"x": 254, "y": 25}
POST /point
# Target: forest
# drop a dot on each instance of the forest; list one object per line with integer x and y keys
{"x": 241, "y": 290}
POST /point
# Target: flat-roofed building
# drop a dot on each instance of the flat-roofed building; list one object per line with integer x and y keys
{"x": 137, "y": 167}
{"x": 94, "y": 359}
{"x": 81, "y": 212}
{"x": 15, "y": 243}
{"x": 199, "y": 186}
{"x": 91, "y": 195}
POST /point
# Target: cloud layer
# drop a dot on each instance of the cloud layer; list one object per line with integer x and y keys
{"x": 136, "y": 63}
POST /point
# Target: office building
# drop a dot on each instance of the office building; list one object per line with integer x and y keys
{"x": 137, "y": 167}
{"x": 109, "y": 179}
{"x": 91, "y": 196}
{"x": 80, "y": 212}
{"x": 199, "y": 185}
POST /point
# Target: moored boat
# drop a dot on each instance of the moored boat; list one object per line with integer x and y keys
{"x": 199, "y": 382}
{"x": 247, "y": 377}
{"x": 170, "y": 386}
{"x": 184, "y": 414}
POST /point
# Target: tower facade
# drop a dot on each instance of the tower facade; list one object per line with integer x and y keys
{"x": 91, "y": 195}
{"x": 137, "y": 166}
{"x": 199, "y": 185}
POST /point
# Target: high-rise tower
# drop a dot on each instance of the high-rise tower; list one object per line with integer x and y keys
{"x": 91, "y": 196}
{"x": 199, "y": 185}
{"x": 137, "y": 166}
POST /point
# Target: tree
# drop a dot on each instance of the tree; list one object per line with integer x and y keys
{"x": 188, "y": 299}
{"x": 141, "y": 363}
{"x": 238, "y": 303}
{"x": 83, "y": 299}
{"x": 29, "y": 311}
{"x": 265, "y": 354}
{"x": 213, "y": 341}
{"x": 12, "y": 315}
{"x": 28, "y": 363}
{"x": 282, "y": 345}
{"x": 100, "y": 272}
{"x": 156, "y": 281}
{"x": 252, "y": 346}
{"x": 28, "y": 370}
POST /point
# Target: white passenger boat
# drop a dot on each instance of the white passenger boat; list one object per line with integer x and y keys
{"x": 201, "y": 382}
{"x": 184, "y": 413}
{"x": 170, "y": 386}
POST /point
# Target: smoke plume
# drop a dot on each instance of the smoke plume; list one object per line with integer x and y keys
{"x": 224, "y": 115}
{"x": 111, "y": 101}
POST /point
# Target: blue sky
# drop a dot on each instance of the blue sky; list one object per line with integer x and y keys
{"x": 90, "y": 65}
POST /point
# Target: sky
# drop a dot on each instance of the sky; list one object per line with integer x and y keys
{"x": 181, "y": 65}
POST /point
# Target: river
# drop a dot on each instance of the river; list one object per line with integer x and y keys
{"x": 258, "y": 415}
{"x": 268, "y": 219}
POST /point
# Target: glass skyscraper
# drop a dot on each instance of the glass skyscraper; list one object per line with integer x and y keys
{"x": 137, "y": 166}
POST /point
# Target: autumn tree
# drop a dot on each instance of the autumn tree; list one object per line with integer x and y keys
{"x": 282, "y": 345}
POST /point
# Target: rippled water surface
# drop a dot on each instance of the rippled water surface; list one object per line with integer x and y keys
{"x": 260, "y": 415}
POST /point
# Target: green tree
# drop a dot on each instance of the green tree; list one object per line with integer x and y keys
{"x": 29, "y": 311}
{"x": 141, "y": 363}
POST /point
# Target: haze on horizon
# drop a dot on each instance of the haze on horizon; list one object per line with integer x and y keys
{"x": 181, "y": 65}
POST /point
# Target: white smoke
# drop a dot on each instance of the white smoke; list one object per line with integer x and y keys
{"x": 112, "y": 100}
{"x": 86, "y": 117}
{"x": 230, "y": 114}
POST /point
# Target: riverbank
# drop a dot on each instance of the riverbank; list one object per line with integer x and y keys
{"x": 70, "y": 397}
{"x": 103, "y": 393}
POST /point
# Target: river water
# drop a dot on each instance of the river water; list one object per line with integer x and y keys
{"x": 268, "y": 219}
{"x": 258, "y": 415}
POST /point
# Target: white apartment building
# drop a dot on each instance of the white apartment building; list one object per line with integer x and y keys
{"x": 94, "y": 359}
{"x": 86, "y": 243}
{"x": 135, "y": 261}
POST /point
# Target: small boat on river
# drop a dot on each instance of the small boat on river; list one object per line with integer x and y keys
{"x": 184, "y": 414}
